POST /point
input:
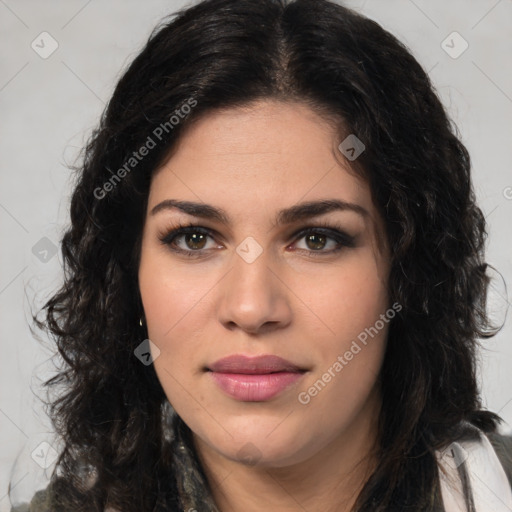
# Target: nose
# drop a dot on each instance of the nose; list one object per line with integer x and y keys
{"x": 253, "y": 297}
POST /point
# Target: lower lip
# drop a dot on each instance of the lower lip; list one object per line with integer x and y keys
{"x": 254, "y": 388}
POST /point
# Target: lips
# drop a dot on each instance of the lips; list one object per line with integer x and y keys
{"x": 254, "y": 379}
{"x": 253, "y": 365}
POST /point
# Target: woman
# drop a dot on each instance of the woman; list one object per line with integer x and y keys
{"x": 274, "y": 280}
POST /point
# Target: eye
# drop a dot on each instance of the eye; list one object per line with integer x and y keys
{"x": 320, "y": 241}
{"x": 188, "y": 239}
{"x": 317, "y": 241}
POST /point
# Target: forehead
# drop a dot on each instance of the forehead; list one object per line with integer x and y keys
{"x": 267, "y": 142}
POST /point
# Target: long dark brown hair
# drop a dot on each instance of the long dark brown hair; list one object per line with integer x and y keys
{"x": 124, "y": 446}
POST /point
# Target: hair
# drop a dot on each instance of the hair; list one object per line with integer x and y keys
{"x": 111, "y": 411}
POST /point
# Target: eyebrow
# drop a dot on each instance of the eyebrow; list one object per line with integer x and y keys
{"x": 286, "y": 216}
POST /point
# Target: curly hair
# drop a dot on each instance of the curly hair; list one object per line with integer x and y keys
{"x": 111, "y": 411}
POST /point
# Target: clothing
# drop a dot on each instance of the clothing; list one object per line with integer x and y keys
{"x": 485, "y": 461}
{"x": 477, "y": 463}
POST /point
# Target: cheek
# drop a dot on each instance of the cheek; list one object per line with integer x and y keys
{"x": 175, "y": 308}
{"x": 347, "y": 301}
{"x": 171, "y": 297}
{"x": 350, "y": 340}
{"x": 349, "y": 354}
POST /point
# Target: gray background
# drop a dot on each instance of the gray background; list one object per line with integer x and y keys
{"x": 49, "y": 105}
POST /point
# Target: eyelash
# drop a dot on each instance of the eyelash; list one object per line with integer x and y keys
{"x": 330, "y": 231}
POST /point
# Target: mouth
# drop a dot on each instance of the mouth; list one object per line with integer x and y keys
{"x": 254, "y": 379}
{"x": 253, "y": 365}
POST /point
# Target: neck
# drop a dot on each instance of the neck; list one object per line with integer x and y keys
{"x": 330, "y": 481}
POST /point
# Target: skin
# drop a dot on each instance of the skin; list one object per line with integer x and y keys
{"x": 308, "y": 309}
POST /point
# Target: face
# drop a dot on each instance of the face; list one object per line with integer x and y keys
{"x": 286, "y": 270}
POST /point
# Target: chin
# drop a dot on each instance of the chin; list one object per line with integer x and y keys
{"x": 268, "y": 445}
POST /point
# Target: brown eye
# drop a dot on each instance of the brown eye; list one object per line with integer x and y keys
{"x": 316, "y": 241}
{"x": 195, "y": 240}
{"x": 189, "y": 240}
{"x": 322, "y": 241}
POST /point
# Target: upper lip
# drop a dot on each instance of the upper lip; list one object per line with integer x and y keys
{"x": 253, "y": 365}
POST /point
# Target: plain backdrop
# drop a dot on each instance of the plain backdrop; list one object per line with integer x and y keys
{"x": 49, "y": 104}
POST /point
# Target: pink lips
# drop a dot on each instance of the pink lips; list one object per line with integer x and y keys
{"x": 254, "y": 379}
